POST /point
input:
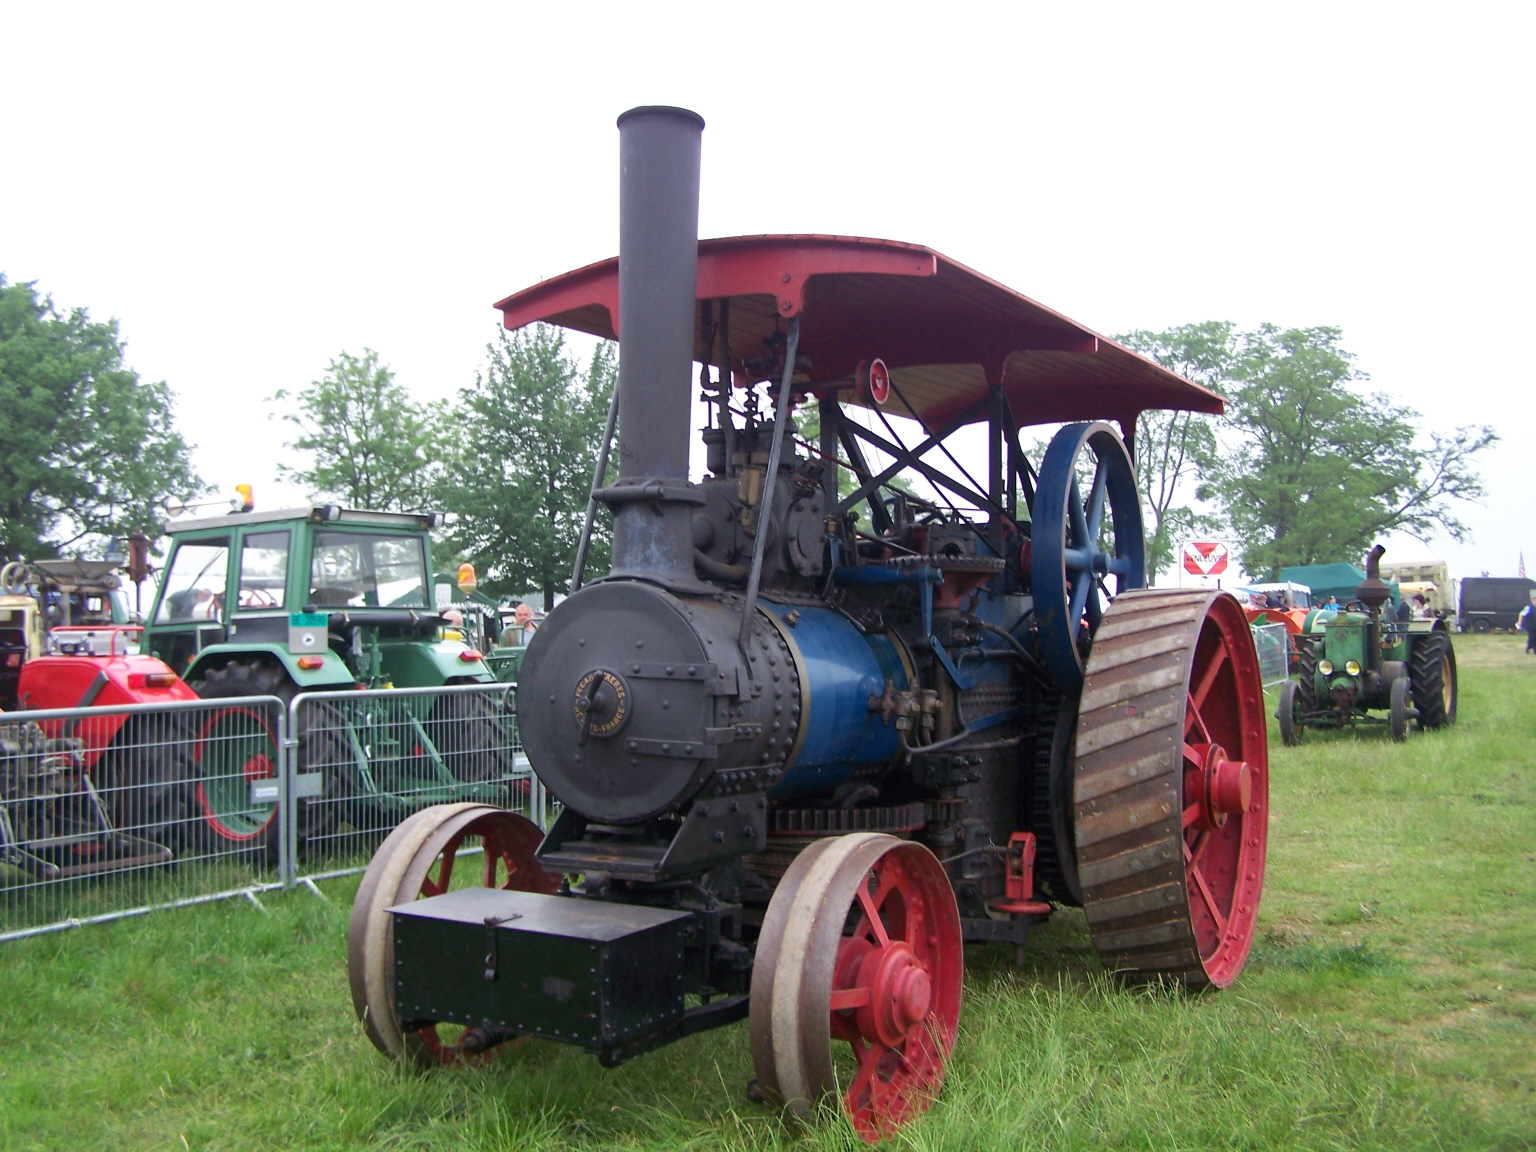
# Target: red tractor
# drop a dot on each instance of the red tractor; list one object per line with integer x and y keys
{"x": 79, "y": 796}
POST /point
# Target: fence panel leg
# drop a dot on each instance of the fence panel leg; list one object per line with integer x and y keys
{"x": 288, "y": 833}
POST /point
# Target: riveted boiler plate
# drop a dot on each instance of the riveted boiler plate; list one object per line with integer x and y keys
{"x": 639, "y": 748}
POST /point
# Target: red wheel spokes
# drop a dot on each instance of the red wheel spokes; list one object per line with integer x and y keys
{"x": 1197, "y": 698}
{"x": 888, "y": 954}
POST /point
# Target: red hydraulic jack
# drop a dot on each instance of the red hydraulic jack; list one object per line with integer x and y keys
{"x": 1019, "y": 885}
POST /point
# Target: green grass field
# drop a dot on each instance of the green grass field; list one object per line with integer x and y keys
{"x": 1390, "y": 1003}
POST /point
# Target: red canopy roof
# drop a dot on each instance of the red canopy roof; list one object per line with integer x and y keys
{"x": 943, "y": 330}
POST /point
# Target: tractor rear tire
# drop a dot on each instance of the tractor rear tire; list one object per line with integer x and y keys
{"x": 475, "y": 742}
{"x": 1432, "y": 671}
{"x": 148, "y": 780}
{"x": 1306, "y": 681}
{"x": 319, "y": 745}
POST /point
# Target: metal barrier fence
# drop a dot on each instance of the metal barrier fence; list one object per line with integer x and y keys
{"x": 108, "y": 812}
{"x": 364, "y": 761}
{"x": 1274, "y": 646}
{"x": 119, "y": 811}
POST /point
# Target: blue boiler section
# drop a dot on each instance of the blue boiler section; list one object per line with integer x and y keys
{"x": 841, "y": 668}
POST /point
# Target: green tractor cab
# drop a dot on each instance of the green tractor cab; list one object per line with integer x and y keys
{"x": 1361, "y": 661}
{"x": 293, "y": 601}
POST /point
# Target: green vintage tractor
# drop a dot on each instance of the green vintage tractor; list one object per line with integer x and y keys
{"x": 305, "y": 600}
{"x": 1363, "y": 660}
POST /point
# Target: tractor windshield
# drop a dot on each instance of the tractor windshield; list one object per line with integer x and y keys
{"x": 353, "y": 570}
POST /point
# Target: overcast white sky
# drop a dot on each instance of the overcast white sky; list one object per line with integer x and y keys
{"x": 252, "y": 189}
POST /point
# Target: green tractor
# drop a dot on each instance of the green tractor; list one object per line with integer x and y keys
{"x": 1362, "y": 660}
{"x": 295, "y": 601}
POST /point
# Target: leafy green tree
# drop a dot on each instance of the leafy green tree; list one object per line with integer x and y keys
{"x": 519, "y": 481}
{"x": 87, "y": 449}
{"x": 1172, "y": 449}
{"x": 366, "y": 443}
{"x": 1313, "y": 471}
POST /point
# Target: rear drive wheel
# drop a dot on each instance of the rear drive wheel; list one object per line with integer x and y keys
{"x": 417, "y": 860}
{"x": 1432, "y": 670}
{"x": 1172, "y": 787}
{"x": 1290, "y": 726}
{"x": 1397, "y": 711}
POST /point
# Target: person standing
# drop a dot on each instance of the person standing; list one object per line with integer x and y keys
{"x": 1527, "y": 621}
{"x": 522, "y": 620}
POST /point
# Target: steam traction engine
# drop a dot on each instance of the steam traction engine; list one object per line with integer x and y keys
{"x": 814, "y": 731}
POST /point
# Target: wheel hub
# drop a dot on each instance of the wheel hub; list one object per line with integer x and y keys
{"x": 1224, "y": 786}
{"x": 258, "y": 767}
{"x": 897, "y": 991}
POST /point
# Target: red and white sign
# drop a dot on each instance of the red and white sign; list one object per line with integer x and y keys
{"x": 1206, "y": 557}
{"x": 876, "y": 380}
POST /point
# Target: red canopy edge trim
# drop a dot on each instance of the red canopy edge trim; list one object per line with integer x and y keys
{"x": 776, "y": 266}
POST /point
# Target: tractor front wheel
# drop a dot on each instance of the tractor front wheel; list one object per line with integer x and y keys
{"x": 1398, "y": 711}
{"x": 1432, "y": 671}
{"x": 236, "y": 746}
{"x": 1290, "y": 726}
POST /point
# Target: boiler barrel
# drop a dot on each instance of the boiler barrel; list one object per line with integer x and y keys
{"x": 840, "y": 670}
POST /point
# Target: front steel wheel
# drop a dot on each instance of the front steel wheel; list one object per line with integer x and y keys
{"x": 417, "y": 860}
{"x": 861, "y": 944}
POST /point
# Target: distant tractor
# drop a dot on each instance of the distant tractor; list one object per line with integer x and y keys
{"x": 1363, "y": 661}
{"x": 303, "y": 600}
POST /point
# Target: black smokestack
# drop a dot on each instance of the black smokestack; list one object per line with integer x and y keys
{"x": 658, "y": 272}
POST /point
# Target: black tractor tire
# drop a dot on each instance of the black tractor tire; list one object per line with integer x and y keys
{"x": 1290, "y": 728}
{"x": 473, "y": 738}
{"x": 1306, "y": 680}
{"x": 1051, "y": 807}
{"x": 147, "y": 779}
{"x": 1432, "y": 670}
{"x": 319, "y": 745}
{"x": 1398, "y": 709}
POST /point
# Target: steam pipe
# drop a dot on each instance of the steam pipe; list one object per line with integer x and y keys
{"x": 770, "y": 481}
{"x": 597, "y": 482}
{"x": 658, "y": 276}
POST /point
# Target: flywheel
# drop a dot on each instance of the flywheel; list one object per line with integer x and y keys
{"x": 1171, "y": 788}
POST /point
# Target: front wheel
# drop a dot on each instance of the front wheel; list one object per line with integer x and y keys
{"x": 1398, "y": 712}
{"x": 236, "y": 746}
{"x": 861, "y": 944}
{"x": 415, "y": 861}
{"x": 1290, "y": 727}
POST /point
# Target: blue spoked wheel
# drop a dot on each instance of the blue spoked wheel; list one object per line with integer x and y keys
{"x": 1078, "y": 540}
